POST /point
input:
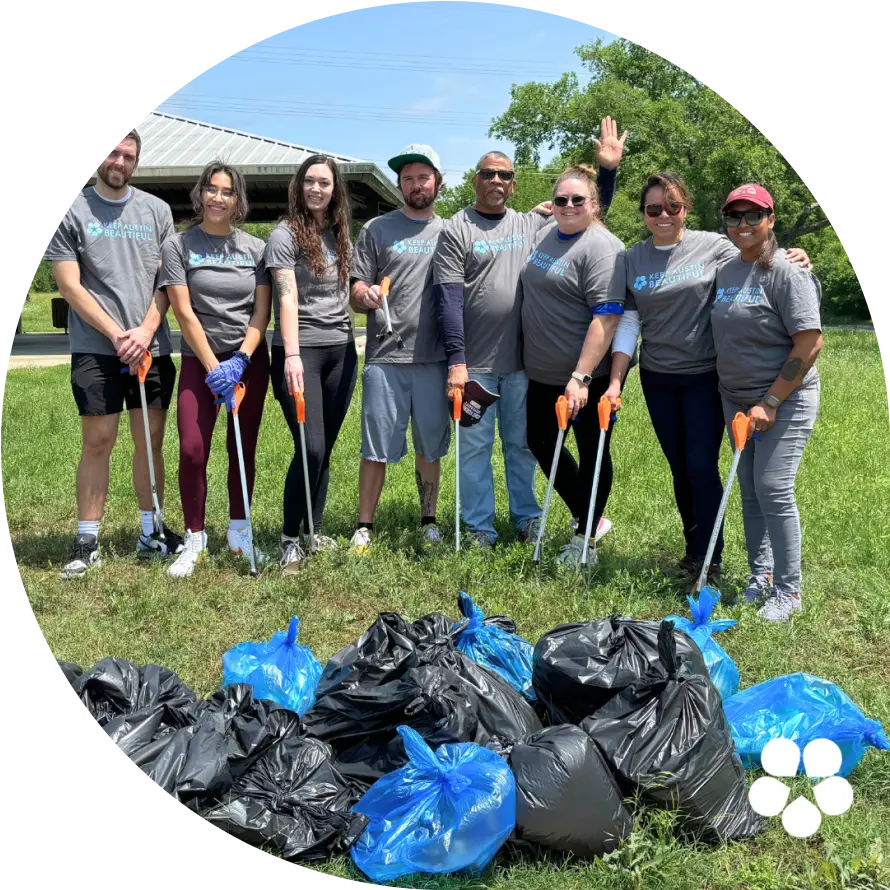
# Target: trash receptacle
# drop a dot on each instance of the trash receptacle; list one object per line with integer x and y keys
{"x": 60, "y": 313}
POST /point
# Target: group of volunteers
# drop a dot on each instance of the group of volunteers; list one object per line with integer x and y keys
{"x": 512, "y": 310}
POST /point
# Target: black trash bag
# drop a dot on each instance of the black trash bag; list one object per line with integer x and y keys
{"x": 666, "y": 737}
{"x": 453, "y": 700}
{"x": 113, "y": 687}
{"x": 577, "y": 668}
{"x": 293, "y": 799}
{"x": 70, "y": 670}
{"x": 566, "y": 797}
{"x": 385, "y": 651}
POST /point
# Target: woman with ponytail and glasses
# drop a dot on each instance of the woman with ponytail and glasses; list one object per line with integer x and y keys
{"x": 670, "y": 288}
{"x": 768, "y": 334}
{"x": 219, "y": 290}
{"x": 313, "y": 347}
{"x": 573, "y": 293}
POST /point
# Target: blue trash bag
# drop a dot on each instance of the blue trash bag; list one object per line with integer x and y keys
{"x": 721, "y": 668}
{"x": 280, "y": 670}
{"x": 800, "y": 707}
{"x": 489, "y": 643}
{"x": 444, "y": 811}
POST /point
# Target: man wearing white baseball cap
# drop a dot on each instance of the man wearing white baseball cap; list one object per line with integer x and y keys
{"x": 405, "y": 372}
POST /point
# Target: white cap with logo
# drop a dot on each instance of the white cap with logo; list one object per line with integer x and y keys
{"x": 415, "y": 153}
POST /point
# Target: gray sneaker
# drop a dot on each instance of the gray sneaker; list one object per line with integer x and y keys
{"x": 529, "y": 529}
{"x": 84, "y": 555}
{"x": 780, "y": 606}
{"x": 292, "y": 557}
{"x": 480, "y": 539}
{"x": 758, "y": 590}
{"x": 571, "y": 553}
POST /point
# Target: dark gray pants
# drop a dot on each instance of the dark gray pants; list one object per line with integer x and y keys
{"x": 767, "y": 471}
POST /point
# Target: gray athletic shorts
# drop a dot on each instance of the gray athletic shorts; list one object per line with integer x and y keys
{"x": 394, "y": 393}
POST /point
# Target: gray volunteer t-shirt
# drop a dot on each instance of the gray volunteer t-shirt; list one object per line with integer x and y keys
{"x": 754, "y": 315}
{"x": 323, "y": 304}
{"x": 401, "y": 248}
{"x": 486, "y": 257}
{"x": 562, "y": 281}
{"x": 222, "y": 273}
{"x": 118, "y": 249}
{"x": 673, "y": 291}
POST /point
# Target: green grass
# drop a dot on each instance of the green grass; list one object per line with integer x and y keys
{"x": 37, "y": 315}
{"x": 130, "y": 609}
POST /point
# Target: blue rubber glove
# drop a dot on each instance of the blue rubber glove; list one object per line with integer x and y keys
{"x": 225, "y": 375}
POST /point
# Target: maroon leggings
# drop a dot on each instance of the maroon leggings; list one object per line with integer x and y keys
{"x": 196, "y": 418}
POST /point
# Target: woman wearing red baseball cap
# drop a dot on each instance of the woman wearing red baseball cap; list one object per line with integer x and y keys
{"x": 768, "y": 334}
{"x": 670, "y": 288}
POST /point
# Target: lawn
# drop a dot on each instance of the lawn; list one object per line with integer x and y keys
{"x": 130, "y": 609}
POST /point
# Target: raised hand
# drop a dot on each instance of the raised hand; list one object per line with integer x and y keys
{"x": 609, "y": 148}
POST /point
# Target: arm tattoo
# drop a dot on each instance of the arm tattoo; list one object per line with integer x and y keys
{"x": 282, "y": 282}
{"x": 792, "y": 369}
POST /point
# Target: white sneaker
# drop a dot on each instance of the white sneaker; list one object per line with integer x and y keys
{"x": 431, "y": 536}
{"x": 322, "y": 542}
{"x": 361, "y": 540}
{"x": 240, "y": 544}
{"x": 194, "y": 546}
{"x": 571, "y": 553}
{"x": 292, "y": 557}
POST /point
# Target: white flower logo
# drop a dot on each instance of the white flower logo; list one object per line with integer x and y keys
{"x": 822, "y": 759}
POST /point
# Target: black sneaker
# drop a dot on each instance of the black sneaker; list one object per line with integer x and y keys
{"x": 688, "y": 569}
{"x": 84, "y": 555}
{"x": 152, "y": 545}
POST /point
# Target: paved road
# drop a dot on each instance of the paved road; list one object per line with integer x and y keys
{"x": 43, "y": 350}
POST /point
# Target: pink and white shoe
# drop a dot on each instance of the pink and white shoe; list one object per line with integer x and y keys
{"x": 604, "y": 526}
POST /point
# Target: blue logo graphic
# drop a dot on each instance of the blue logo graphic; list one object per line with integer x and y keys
{"x": 640, "y": 283}
{"x": 195, "y": 259}
{"x": 399, "y": 246}
{"x": 480, "y": 246}
{"x": 720, "y": 292}
{"x": 94, "y": 229}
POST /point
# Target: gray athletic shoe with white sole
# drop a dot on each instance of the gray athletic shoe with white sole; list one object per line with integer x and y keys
{"x": 780, "y": 606}
{"x": 570, "y": 554}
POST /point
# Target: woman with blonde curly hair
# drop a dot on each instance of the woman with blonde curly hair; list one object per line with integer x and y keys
{"x": 313, "y": 348}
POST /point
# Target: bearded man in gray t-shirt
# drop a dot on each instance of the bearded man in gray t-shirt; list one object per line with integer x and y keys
{"x": 106, "y": 255}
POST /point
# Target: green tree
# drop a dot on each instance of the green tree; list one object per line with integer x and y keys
{"x": 675, "y": 123}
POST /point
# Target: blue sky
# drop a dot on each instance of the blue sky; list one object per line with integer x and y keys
{"x": 369, "y": 82}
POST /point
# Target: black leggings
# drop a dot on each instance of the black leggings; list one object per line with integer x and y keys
{"x": 329, "y": 375}
{"x": 574, "y": 482}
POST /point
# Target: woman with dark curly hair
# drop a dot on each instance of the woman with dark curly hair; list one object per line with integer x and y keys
{"x": 313, "y": 348}
{"x": 219, "y": 289}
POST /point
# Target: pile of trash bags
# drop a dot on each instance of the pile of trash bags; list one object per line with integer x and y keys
{"x": 427, "y": 745}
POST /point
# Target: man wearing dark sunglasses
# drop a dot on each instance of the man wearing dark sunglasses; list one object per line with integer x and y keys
{"x": 476, "y": 268}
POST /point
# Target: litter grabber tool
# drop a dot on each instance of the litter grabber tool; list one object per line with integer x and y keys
{"x": 141, "y": 374}
{"x": 457, "y": 402}
{"x": 240, "y": 390}
{"x": 740, "y": 437}
{"x": 562, "y": 418}
{"x": 301, "y": 422}
{"x": 388, "y": 330}
{"x": 604, "y": 410}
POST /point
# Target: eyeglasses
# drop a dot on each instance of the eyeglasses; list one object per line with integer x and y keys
{"x": 577, "y": 200}
{"x": 752, "y": 217}
{"x": 213, "y": 191}
{"x": 655, "y": 210}
{"x": 503, "y": 175}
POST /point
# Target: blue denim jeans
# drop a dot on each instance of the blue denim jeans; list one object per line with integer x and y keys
{"x": 476, "y": 444}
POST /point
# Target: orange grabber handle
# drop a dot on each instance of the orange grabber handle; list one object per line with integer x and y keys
{"x": 239, "y": 393}
{"x": 144, "y": 366}
{"x": 604, "y": 409}
{"x": 384, "y": 286}
{"x": 301, "y": 406}
{"x": 740, "y": 430}
{"x": 457, "y": 404}
{"x": 562, "y": 412}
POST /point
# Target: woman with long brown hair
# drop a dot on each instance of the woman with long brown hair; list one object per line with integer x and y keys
{"x": 219, "y": 290}
{"x": 313, "y": 347}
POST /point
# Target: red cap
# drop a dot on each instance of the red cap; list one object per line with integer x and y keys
{"x": 756, "y": 194}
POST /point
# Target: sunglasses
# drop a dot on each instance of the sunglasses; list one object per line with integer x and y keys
{"x": 577, "y": 200}
{"x": 752, "y": 217}
{"x": 655, "y": 210}
{"x": 503, "y": 175}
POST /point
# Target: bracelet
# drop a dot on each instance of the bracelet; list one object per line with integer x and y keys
{"x": 292, "y": 355}
{"x": 243, "y": 355}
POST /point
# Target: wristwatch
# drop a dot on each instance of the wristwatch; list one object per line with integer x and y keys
{"x": 771, "y": 401}
{"x": 243, "y": 355}
{"x": 583, "y": 379}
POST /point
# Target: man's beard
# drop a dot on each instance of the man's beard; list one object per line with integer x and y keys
{"x": 420, "y": 201}
{"x": 103, "y": 174}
